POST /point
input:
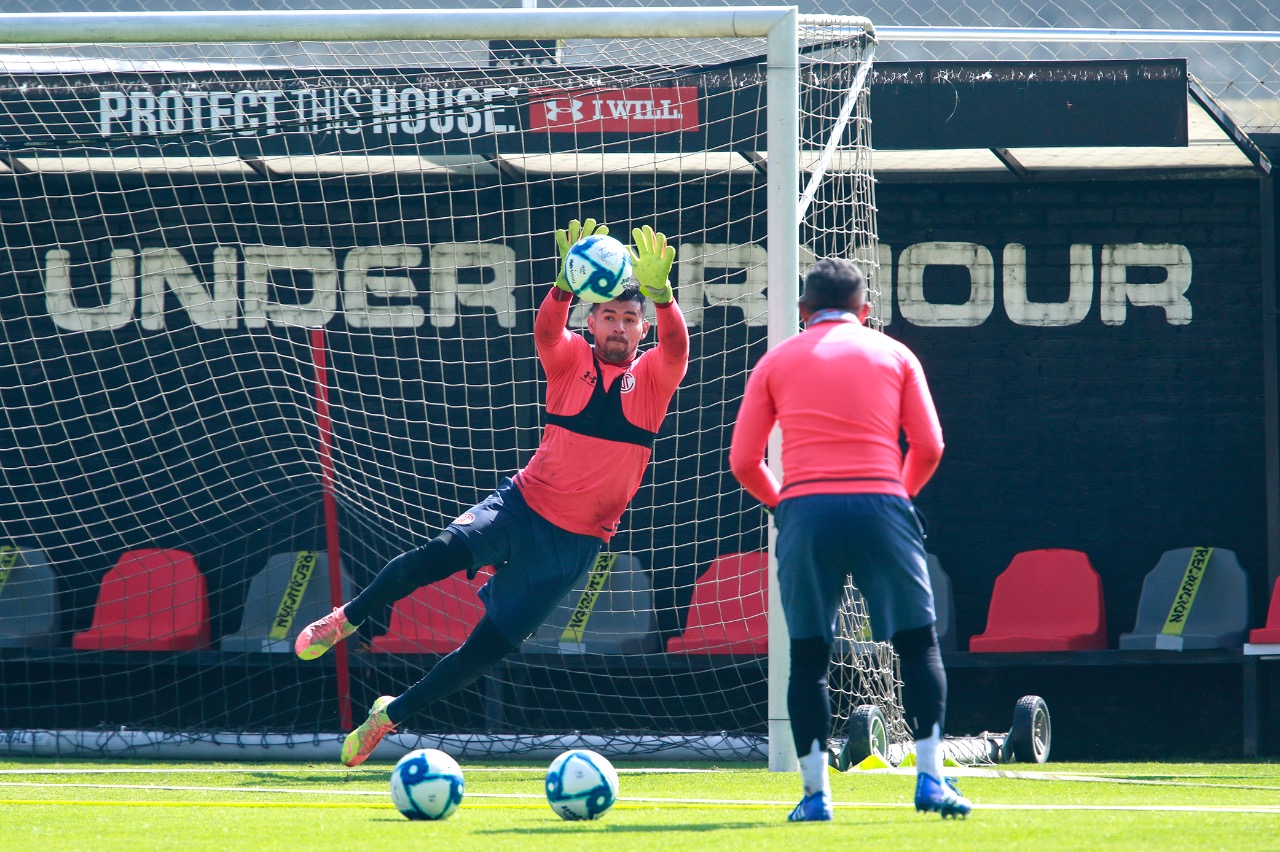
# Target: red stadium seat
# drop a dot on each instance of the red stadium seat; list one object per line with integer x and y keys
{"x": 1269, "y": 635}
{"x": 729, "y": 610}
{"x": 1046, "y": 600}
{"x": 435, "y": 619}
{"x": 152, "y": 600}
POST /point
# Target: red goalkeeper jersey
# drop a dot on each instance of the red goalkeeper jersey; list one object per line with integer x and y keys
{"x": 842, "y": 394}
{"x": 601, "y": 420}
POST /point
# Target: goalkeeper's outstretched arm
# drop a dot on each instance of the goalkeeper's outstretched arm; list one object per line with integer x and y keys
{"x": 673, "y": 338}
{"x": 550, "y": 326}
{"x": 651, "y": 260}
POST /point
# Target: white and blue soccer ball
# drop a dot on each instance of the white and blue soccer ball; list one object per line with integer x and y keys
{"x": 597, "y": 268}
{"x": 581, "y": 785}
{"x": 426, "y": 784}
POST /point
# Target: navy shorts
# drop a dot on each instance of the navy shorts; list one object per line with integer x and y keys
{"x": 542, "y": 561}
{"x": 876, "y": 538}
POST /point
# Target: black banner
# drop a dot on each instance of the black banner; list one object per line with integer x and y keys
{"x": 484, "y": 113}
{"x": 266, "y": 113}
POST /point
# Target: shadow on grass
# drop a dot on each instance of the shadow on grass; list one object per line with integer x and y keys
{"x": 351, "y": 776}
{"x": 632, "y": 828}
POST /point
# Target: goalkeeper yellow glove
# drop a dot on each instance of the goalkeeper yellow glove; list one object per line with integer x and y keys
{"x": 567, "y": 237}
{"x": 651, "y": 261}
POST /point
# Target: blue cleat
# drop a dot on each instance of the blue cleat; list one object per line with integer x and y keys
{"x": 812, "y": 808}
{"x": 940, "y": 797}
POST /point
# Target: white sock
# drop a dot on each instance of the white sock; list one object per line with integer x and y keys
{"x": 929, "y": 753}
{"x": 813, "y": 771}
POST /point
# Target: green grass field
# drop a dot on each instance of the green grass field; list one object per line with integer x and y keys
{"x": 138, "y": 805}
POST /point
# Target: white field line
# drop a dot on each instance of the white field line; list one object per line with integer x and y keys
{"x": 312, "y": 770}
{"x": 179, "y": 788}
{"x": 1190, "y": 781}
{"x": 642, "y": 801}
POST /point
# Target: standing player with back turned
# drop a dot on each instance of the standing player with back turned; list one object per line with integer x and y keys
{"x": 842, "y": 394}
{"x": 544, "y": 526}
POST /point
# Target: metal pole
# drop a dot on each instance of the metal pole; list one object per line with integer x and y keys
{"x": 1005, "y": 35}
{"x": 1270, "y": 231}
{"x": 783, "y": 93}
{"x": 325, "y": 448}
{"x": 388, "y": 25}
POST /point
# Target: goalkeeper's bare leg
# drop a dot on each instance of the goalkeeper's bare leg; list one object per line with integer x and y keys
{"x": 924, "y": 702}
{"x": 809, "y": 706}
{"x": 540, "y": 563}
{"x": 444, "y": 555}
{"x": 521, "y": 603}
{"x": 484, "y": 648}
{"x": 877, "y": 539}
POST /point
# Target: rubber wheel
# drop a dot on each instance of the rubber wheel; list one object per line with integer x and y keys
{"x": 1030, "y": 736}
{"x": 868, "y": 734}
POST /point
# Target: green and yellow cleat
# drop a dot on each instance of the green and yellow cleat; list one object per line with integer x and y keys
{"x": 361, "y": 742}
{"x": 319, "y": 636}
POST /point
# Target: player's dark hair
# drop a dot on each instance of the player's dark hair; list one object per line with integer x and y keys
{"x": 830, "y": 283}
{"x": 630, "y": 293}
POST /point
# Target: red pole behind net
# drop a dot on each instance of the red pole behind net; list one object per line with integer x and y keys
{"x": 330, "y": 516}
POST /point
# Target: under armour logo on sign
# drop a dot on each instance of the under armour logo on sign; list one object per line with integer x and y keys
{"x": 572, "y": 106}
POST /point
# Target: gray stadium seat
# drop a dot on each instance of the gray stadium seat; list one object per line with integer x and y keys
{"x": 621, "y": 619}
{"x": 944, "y": 605}
{"x": 29, "y": 614}
{"x": 275, "y": 611}
{"x": 1218, "y": 615}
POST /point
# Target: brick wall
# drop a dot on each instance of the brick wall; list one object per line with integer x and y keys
{"x": 1122, "y": 438}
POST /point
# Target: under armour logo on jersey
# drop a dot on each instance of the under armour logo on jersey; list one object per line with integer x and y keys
{"x": 589, "y": 377}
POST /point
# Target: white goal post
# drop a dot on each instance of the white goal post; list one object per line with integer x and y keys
{"x": 785, "y": 173}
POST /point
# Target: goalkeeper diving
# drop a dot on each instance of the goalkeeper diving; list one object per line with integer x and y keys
{"x": 544, "y": 526}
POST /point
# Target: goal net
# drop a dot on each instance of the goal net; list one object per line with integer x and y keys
{"x": 267, "y": 288}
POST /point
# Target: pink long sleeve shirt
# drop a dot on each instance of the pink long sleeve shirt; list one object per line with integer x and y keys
{"x": 842, "y": 394}
{"x": 583, "y": 482}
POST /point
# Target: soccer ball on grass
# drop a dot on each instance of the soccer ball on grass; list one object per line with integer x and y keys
{"x": 597, "y": 268}
{"x": 426, "y": 784}
{"x": 581, "y": 785}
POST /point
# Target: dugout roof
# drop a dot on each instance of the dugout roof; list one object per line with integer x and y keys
{"x": 931, "y": 121}
{"x": 1051, "y": 119}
